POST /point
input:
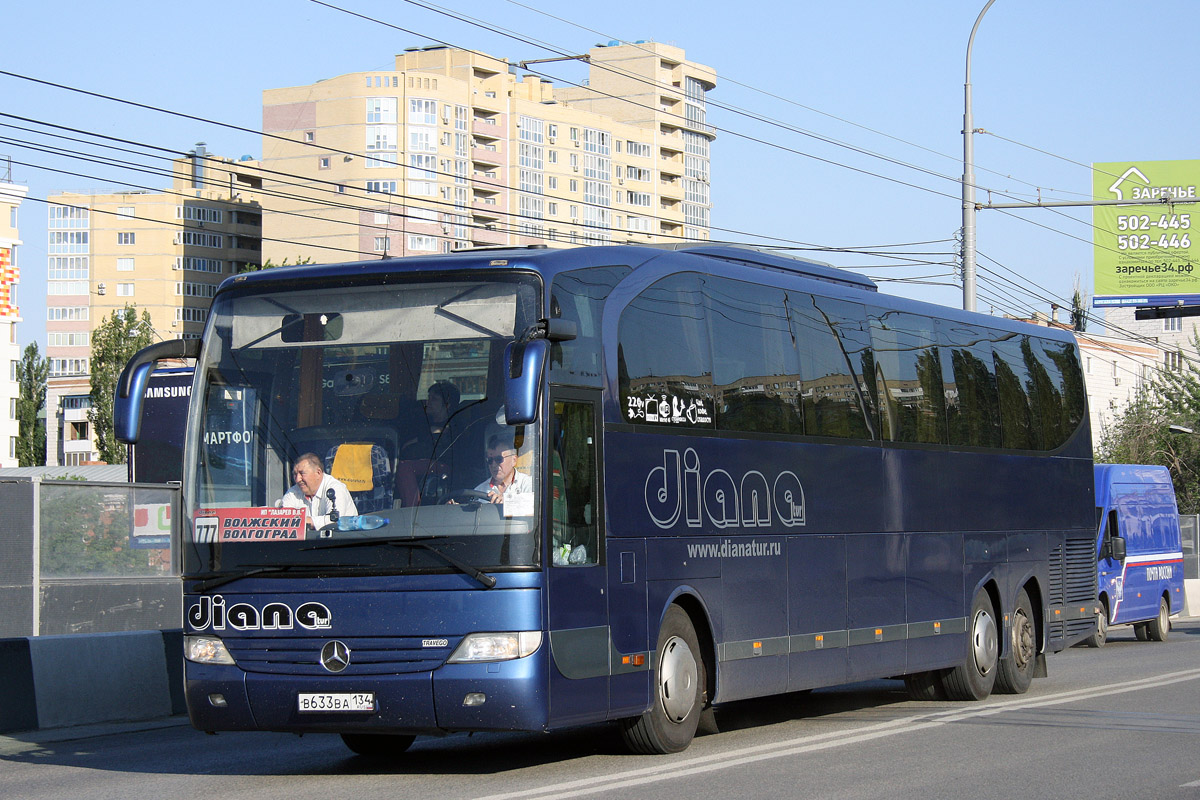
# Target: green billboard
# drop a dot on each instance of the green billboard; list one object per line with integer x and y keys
{"x": 1146, "y": 255}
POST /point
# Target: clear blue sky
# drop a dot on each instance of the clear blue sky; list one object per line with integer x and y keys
{"x": 1060, "y": 84}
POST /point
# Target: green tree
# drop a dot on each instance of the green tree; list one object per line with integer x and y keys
{"x": 1078, "y": 308}
{"x": 269, "y": 265}
{"x": 1142, "y": 433}
{"x": 113, "y": 343}
{"x": 32, "y": 371}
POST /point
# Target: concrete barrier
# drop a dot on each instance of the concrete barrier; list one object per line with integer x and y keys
{"x": 59, "y": 681}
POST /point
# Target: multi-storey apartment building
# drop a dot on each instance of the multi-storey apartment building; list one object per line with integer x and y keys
{"x": 451, "y": 149}
{"x": 161, "y": 252}
{"x": 11, "y": 195}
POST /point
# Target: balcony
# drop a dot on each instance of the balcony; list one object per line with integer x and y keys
{"x": 487, "y": 157}
{"x": 487, "y": 236}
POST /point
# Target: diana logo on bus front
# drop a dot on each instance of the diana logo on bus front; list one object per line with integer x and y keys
{"x": 210, "y": 611}
{"x": 680, "y": 489}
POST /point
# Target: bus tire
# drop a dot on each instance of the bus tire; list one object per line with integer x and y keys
{"x": 925, "y": 685}
{"x": 1158, "y": 628}
{"x": 1139, "y": 630}
{"x": 1098, "y": 638}
{"x": 1016, "y": 668}
{"x": 678, "y": 691}
{"x": 377, "y": 745}
{"x": 973, "y": 679}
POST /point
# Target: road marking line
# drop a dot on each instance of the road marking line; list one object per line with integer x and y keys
{"x": 805, "y": 744}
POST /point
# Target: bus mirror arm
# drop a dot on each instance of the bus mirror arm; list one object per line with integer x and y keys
{"x": 127, "y": 404}
{"x": 553, "y": 329}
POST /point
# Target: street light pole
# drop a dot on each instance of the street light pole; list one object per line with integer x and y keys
{"x": 968, "y": 179}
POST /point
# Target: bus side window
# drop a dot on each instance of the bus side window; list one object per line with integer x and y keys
{"x": 575, "y": 529}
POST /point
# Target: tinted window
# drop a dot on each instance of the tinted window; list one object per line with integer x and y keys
{"x": 969, "y": 380}
{"x": 1074, "y": 395}
{"x": 664, "y": 363}
{"x": 755, "y": 366}
{"x": 912, "y": 403}
{"x": 1010, "y": 351}
{"x": 835, "y": 353}
{"x": 579, "y": 296}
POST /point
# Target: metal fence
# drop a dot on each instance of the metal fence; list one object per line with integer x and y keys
{"x": 1189, "y": 528}
{"x": 87, "y": 557}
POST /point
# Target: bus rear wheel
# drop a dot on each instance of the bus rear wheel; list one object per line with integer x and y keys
{"x": 1158, "y": 628}
{"x": 973, "y": 679}
{"x": 669, "y": 725}
{"x": 1016, "y": 668}
{"x": 377, "y": 745}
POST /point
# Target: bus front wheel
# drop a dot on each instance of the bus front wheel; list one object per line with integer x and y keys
{"x": 973, "y": 679}
{"x": 1016, "y": 668}
{"x": 670, "y": 723}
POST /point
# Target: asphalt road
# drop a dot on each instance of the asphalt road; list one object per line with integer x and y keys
{"x": 1117, "y": 722}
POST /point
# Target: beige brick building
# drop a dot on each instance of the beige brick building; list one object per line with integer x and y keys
{"x": 451, "y": 149}
{"x": 162, "y": 252}
{"x": 11, "y": 196}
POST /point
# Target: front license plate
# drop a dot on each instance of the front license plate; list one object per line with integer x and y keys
{"x": 329, "y": 701}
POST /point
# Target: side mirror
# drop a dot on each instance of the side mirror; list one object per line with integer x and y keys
{"x": 131, "y": 386}
{"x": 525, "y": 362}
{"x": 1117, "y": 548}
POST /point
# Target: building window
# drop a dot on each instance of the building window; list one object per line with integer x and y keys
{"x": 125, "y": 212}
{"x": 126, "y": 237}
{"x": 381, "y": 187}
{"x": 1173, "y": 360}
{"x": 382, "y": 244}
{"x": 124, "y": 265}
{"x": 1171, "y": 324}
{"x": 310, "y": 136}
{"x": 423, "y": 243}
{"x": 323, "y": 162}
{"x": 422, "y": 112}
{"x": 124, "y": 290}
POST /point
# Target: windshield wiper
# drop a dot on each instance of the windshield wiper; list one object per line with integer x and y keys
{"x": 486, "y": 580}
{"x": 216, "y": 579}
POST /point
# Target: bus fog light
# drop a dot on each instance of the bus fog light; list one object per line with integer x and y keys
{"x": 480, "y": 647}
{"x": 206, "y": 650}
{"x": 475, "y": 699}
{"x": 217, "y": 701}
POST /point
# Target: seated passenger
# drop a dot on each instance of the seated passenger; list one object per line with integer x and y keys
{"x": 312, "y": 493}
{"x": 442, "y": 401}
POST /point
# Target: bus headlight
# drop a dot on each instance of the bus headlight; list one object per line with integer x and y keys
{"x": 496, "y": 646}
{"x": 206, "y": 650}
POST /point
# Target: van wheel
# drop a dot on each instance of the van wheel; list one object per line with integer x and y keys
{"x": 377, "y": 745}
{"x": 973, "y": 679}
{"x": 1158, "y": 628}
{"x": 670, "y": 723}
{"x": 1098, "y": 638}
{"x": 1016, "y": 669}
{"x": 925, "y": 685}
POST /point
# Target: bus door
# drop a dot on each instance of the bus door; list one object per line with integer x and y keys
{"x": 577, "y": 611}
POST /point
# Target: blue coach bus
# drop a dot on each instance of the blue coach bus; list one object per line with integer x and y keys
{"x": 746, "y": 474}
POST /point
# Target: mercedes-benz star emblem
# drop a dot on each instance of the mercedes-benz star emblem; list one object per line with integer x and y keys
{"x": 335, "y": 656}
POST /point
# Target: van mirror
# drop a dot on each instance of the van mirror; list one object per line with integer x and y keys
{"x": 1116, "y": 548}
{"x": 524, "y": 362}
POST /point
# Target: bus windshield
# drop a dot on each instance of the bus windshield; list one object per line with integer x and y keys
{"x": 391, "y": 396}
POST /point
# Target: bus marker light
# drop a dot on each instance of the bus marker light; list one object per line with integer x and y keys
{"x": 937, "y": 627}
{"x": 879, "y": 634}
{"x": 634, "y": 661}
{"x": 758, "y": 648}
{"x": 820, "y": 641}
{"x": 474, "y": 699}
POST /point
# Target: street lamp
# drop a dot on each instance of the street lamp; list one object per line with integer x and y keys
{"x": 968, "y": 180}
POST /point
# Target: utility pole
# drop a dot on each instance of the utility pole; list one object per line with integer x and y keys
{"x": 968, "y": 179}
